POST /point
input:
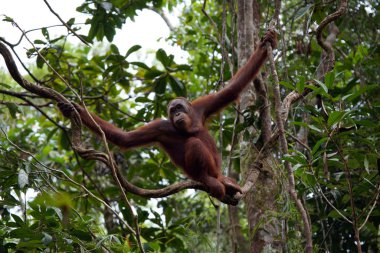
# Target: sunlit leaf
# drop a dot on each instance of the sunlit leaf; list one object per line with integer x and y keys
{"x": 366, "y": 164}
{"x": 23, "y": 178}
{"x": 322, "y": 85}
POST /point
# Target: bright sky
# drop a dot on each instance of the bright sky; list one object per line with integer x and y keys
{"x": 149, "y": 30}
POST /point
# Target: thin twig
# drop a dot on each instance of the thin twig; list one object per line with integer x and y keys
{"x": 348, "y": 178}
{"x": 372, "y": 208}
{"x": 51, "y": 67}
{"x": 327, "y": 200}
{"x": 30, "y": 103}
{"x": 219, "y": 37}
{"x": 65, "y": 24}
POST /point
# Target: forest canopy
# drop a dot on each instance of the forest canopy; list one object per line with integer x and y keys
{"x": 302, "y": 141}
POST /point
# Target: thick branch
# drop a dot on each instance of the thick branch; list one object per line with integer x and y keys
{"x": 290, "y": 99}
{"x": 330, "y": 18}
{"x": 328, "y": 57}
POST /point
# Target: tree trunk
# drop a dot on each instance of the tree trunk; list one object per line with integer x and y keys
{"x": 264, "y": 227}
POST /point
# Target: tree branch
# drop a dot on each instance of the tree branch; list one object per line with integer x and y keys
{"x": 65, "y": 24}
{"x": 330, "y": 18}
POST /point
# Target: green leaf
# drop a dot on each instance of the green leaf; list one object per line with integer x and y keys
{"x": 70, "y": 22}
{"x": 5, "y": 85}
{"x": 95, "y": 26}
{"x": 160, "y": 85}
{"x": 40, "y": 62}
{"x": 39, "y": 42}
{"x": 18, "y": 220}
{"x": 64, "y": 141}
{"x": 32, "y": 245}
{"x": 45, "y": 33}
{"x": 8, "y": 19}
{"x": 142, "y": 100}
{"x": 51, "y": 134}
{"x": 317, "y": 145}
{"x": 366, "y": 164}
{"x": 109, "y": 31}
{"x": 13, "y": 109}
{"x": 183, "y": 67}
{"x": 302, "y": 11}
{"x": 23, "y": 232}
{"x": 132, "y": 50}
{"x": 290, "y": 159}
{"x": 58, "y": 211}
{"x": 329, "y": 79}
{"x": 178, "y": 87}
{"x": 288, "y": 85}
{"x": 114, "y": 49}
{"x": 323, "y": 86}
{"x": 164, "y": 58}
{"x": 335, "y": 117}
{"x": 140, "y": 64}
{"x": 23, "y": 178}
{"x": 153, "y": 73}
{"x": 83, "y": 235}
{"x": 300, "y": 85}
{"x": 312, "y": 127}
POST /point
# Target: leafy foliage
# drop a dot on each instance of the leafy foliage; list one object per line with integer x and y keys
{"x": 51, "y": 200}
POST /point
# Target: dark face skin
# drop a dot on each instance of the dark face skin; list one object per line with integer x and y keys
{"x": 179, "y": 111}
